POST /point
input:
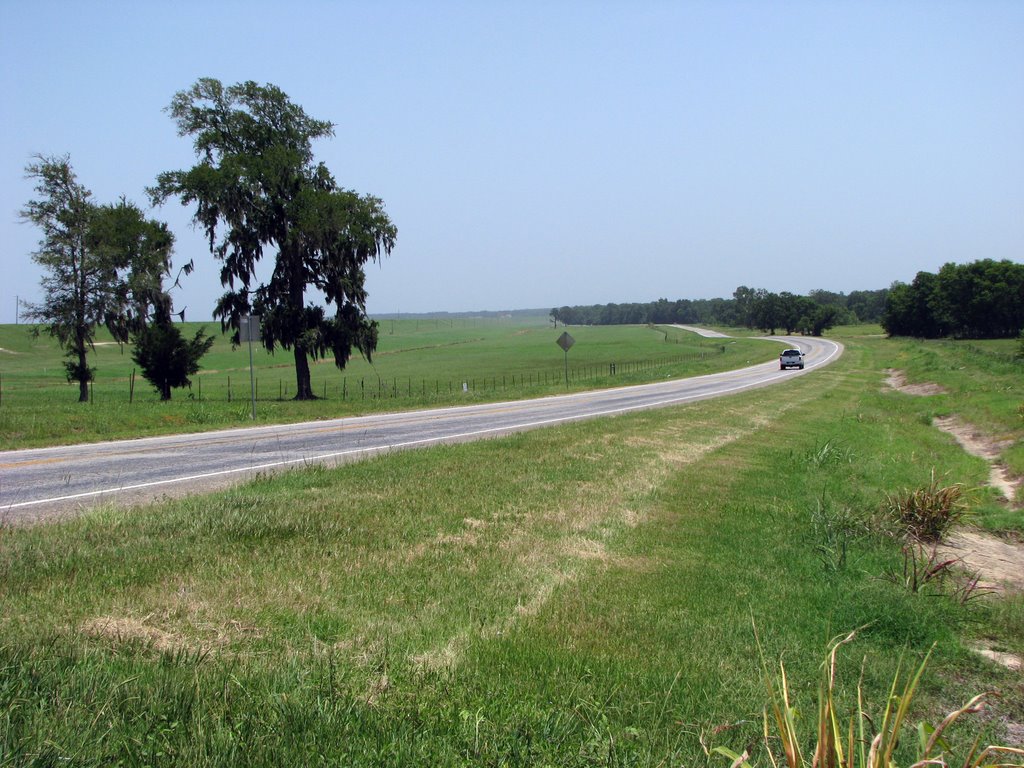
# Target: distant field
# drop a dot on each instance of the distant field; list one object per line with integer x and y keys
{"x": 574, "y": 596}
{"x": 419, "y": 363}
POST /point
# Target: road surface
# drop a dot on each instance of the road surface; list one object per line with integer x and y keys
{"x": 42, "y": 483}
{"x": 705, "y": 332}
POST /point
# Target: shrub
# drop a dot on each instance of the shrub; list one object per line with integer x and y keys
{"x": 167, "y": 358}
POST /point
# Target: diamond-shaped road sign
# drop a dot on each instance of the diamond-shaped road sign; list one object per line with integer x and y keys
{"x": 565, "y": 341}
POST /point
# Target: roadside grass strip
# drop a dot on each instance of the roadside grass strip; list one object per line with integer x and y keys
{"x": 579, "y": 595}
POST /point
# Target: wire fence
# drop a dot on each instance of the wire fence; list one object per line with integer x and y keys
{"x": 219, "y": 386}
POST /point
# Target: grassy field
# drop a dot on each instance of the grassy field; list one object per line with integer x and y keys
{"x": 581, "y": 595}
{"x": 419, "y": 363}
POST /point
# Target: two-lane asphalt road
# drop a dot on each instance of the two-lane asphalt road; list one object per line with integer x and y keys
{"x": 40, "y": 483}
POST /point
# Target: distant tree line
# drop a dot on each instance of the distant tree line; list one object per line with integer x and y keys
{"x": 983, "y": 299}
{"x": 750, "y": 307}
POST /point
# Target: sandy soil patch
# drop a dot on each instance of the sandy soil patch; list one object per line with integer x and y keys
{"x": 977, "y": 444}
{"x": 898, "y": 380}
{"x": 972, "y": 441}
{"x": 9, "y": 351}
{"x": 999, "y": 566}
{"x": 1008, "y": 660}
{"x": 998, "y": 563}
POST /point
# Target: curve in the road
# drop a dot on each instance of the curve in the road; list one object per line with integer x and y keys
{"x": 39, "y": 483}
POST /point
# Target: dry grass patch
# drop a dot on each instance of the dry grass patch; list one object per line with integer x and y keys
{"x": 122, "y": 630}
{"x": 582, "y": 548}
{"x": 552, "y": 542}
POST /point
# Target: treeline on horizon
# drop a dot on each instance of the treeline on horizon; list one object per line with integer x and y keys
{"x": 749, "y": 307}
{"x": 982, "y": 299}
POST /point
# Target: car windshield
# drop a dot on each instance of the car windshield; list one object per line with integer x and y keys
{"x": 791, "y": 352}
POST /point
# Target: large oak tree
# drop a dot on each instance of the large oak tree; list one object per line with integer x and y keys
{"x": 257, "y": 189}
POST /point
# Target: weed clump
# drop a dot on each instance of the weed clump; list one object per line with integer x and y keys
{"x": 927, "y": 513}
{"x": 829, "y": 453}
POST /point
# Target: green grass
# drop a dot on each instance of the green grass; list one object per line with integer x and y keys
{"x": 419, "y": 363}
{"x": 578, "y": 595}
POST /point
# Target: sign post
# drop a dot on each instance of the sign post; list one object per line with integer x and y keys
{"x": 565, "y": 341}
{"x": 247, "y": 331}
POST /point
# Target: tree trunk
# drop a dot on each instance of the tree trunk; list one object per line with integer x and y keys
{"x": 296, "y": 287}
{"x": 303, "y": 387}
{"x": 83, "y": 381}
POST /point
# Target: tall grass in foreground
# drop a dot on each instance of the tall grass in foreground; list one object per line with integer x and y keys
{"x": 866, "y": 741}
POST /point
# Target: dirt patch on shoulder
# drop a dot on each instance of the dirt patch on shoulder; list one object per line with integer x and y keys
{"x": 972, "y": 440}
{"x": 898, "y": 380}
{"x": 1008, "y": 660}
{"x": 998, "y": 563}
{"x": 978, "y": 444}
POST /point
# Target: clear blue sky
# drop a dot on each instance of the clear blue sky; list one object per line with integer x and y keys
{"x": 535, "y": 154}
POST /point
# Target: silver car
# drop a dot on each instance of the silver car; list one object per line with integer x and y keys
{"x": 791, "y": 358}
